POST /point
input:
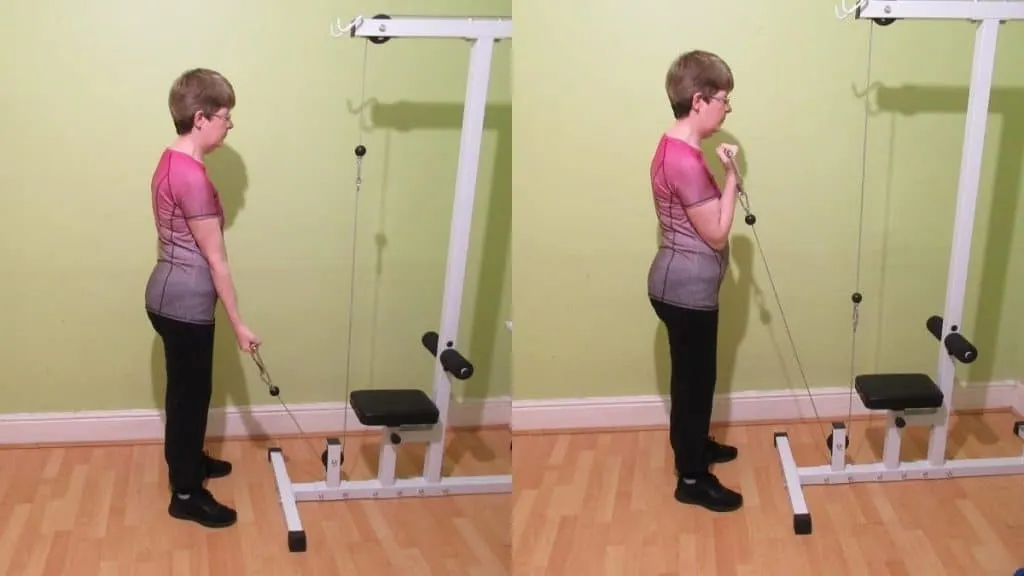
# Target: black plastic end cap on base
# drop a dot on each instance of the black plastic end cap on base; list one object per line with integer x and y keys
{"x": 297, "y": 541}
{"x": 776, "y": 436}
{"x": 271, "y": 450}
{"x": 802, "y": 524}
{"x": 1017, "y": 426}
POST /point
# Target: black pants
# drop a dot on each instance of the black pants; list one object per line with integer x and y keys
{"x": 188, "y": 354}
{"x": 693, "y": 346}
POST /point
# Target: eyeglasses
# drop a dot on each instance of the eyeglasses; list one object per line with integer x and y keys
{"x": 225, "y": 117}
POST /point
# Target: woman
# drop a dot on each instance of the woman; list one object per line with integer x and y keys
{"x": 683, "y": 283}
{"x": 190, "y": 276}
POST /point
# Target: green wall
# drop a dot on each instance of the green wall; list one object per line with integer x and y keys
{"x": 83, "y": 108}
{"x": 84, "y": 115}
{"x": 591, "y": 103}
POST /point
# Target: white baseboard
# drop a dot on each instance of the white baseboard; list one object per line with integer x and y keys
{"x": 256, "y": 421}
{"x": 525, "y": 415}
{"x": 747, "y": 407}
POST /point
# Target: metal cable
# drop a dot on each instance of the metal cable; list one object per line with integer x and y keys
{"x": 258, "y": 359}
{"x": 276, "y": 392}
{"x": 751, "y": 220}
{"x": 858, "y": 298}
{"x": 360, "y": 151}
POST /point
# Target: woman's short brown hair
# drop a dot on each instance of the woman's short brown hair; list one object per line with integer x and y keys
{"x": 198, "y": 90}
{"x": 696, "y": 72}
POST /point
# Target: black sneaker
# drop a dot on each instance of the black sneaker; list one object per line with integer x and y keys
{"x": 705, "y": 490}
{"x": 214, "y": 468}
{"x": 200, "y": 507}
{"x": 718, "y": 453}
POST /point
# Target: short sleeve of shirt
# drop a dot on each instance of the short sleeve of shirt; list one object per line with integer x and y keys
{"x": 688, "y": 177}
{"x": 193, "y": 191}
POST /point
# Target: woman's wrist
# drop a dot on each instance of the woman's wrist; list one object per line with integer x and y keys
{"x": 731, "y": 179}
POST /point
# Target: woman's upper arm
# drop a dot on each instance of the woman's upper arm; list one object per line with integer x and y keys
{"x": 699, "y": 197}
{"x": 208, "y": 236}
{"x": 706, "y": 218}
{"x": 198, "y": 203}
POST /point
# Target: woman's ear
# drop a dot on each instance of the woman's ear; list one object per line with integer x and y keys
{"x": 697, "y": 102}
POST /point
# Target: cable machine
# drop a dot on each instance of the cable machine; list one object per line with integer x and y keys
{"x": 915, "y": 399}
{"x": 411, "y": 415}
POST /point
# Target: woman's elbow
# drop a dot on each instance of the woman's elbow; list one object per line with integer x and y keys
{"x": 218, "y": 264}
{"x": 716, "y": 243}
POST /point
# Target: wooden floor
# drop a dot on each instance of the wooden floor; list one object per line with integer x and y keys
{"x": 102, "y": 511}
{"x": 601, "y": 504}
{"x": 584, "y": 504}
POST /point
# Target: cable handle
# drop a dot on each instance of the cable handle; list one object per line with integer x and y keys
{"x": 254, "y": 351}
{"x": 735, "y": 169}
{"x": 741, "y": 194}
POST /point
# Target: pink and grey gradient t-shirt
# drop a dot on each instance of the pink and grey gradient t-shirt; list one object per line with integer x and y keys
{"x": 686, "y": 271}
{"x": 180, "y": 286}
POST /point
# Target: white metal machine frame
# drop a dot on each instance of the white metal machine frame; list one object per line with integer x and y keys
{"x": 915, "y": 399}
{"x": 409, "y": 415}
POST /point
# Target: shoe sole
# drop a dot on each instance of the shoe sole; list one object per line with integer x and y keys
{"x": 205, "y": 523}
{"x": 711, "y": 507}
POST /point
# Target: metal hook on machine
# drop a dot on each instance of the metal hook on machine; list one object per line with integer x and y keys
{"x": 843, "y": 12}
{"x": 338, "y": 29}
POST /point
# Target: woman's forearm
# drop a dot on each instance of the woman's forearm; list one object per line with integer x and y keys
{"x": 728, "y": 203}
{"x": 225, "y": 287}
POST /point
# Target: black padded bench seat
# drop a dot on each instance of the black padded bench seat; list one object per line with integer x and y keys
{"x": 898, "y": 391}
{"x": 394, "y": 408}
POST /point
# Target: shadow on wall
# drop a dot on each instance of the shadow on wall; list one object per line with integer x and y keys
{"x": 737, "y": 292}
{"x": 1004, "y": 103}
{"x": 228, "y": 172}
{"x": 487, "y": 317}
{"x": 406, "y": 116}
